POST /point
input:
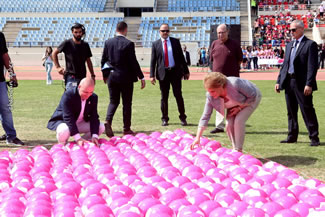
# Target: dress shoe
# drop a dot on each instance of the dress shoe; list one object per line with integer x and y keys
{"x": 313, "y": 143}
{"x": 164, "y": 123}
{"x": 108, "y": 130}
{"x": 3, "y": 137}
{"x": 15, "y": 141}
{"x": 128, "y": 132}
{"x": 288, "y": 141}
{"x": 183, "y": 122}
{"x": 217, "y": 130}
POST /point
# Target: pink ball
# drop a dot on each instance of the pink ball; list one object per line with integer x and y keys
{"x": 286, "y": 201}
{"x": 93, "y": 200}
{"x": 297, "y": 189}
{"x": 158, "y": 210}
{"x": 227, "y": 192}
{"x": 197, "y": 199}
{"x": 314, "y": 201}
{"x": 308, "y": 193}
{"x": 212, "y": 146}
{"x": 172, "y": 194}
{"x": 149, "y": 189}
{"x": 147, "y": 203}
{"x": 163, "y": 186}
{"x": 138, "y": 197}
{"x": 125, "y": 190}
{"x": 286, "y": 213}
{"x": 180, "y": 180}
{"x": 301, "y": 208}
{"x": 176, "y": 205}
{"x": 188, "y": 187}
{"x": 253, "y": 212}
{"x": 215, "y": 188}
{"x": 190, "y": 210}
{"x": 222, "y": 212}
{"x": 281, "y": 193}
{"x": 115, "y": 204}
{"x": 271, "y": 208}
{"x": 268, "y": 188}
{"x": 281, "y": 183}
{"x": 238, "y": 207}
{"x": 208, "y": 206}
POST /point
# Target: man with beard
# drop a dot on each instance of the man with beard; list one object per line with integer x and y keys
{"x": 76, "y": 52}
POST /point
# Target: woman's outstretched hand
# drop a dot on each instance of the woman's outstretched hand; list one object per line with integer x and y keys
{"x": 195, "y": 142}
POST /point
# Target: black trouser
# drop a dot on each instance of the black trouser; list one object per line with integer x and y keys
{"x": 115, "y": 91}
{"x": 255, "y": 59}
{"x": 176, "y": 82}
{"x": 295, "y": 97}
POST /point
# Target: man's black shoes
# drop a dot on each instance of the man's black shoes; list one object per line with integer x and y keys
{"x": 3, "y": 137}
{"x": 108, "y": 130}
{"x": 288, "y": 141}
{"x": 313, "y": 143}
{"x": 128, "y": 132}
{"x": 217, "y": 130}
{"x": 15, "y": 141}
{"x": 164, "y": 123}
{"x": 183, "y": 123}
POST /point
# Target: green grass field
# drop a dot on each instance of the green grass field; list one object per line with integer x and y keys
{"x": 34, "y": 103}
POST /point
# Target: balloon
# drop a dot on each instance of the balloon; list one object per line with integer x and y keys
{"x": 301, "y": 208}
{"x": 145, "y": 204}
{"x": 191, "y": 210}
{"x": 253, "y": 212}
{"x": 238, "y": 207}
{"x": 286, "y": 213}
{"x": 221, "y": 212}
{"x": 176, "y": 205}
{"x": 172, "y": 194}
{"x": 158, "y": 210}
{"x": 271, "y": 208}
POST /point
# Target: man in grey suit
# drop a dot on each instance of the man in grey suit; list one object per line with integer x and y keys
{"x": 119, "y": 52}
{"x": 169, "y": 67}
{"x": 298, "y": 78}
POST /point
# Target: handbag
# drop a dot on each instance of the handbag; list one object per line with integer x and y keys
{"x": 107, "y": 69}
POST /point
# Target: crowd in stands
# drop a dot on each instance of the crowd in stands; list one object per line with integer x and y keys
{"x": 274, "y": 29}
{"x": 284, "y": 4}
{"x": 261, "y": 57}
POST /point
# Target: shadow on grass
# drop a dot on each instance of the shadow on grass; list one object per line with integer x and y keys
{"x": 275, "y": 133}
{"x": 291, "y": 161}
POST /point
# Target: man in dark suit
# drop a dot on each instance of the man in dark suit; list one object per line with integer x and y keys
{"x": 298, "y": 78}
{"x": 77, "y": 113}
{"x": 119, "y": 52}
{"x": 169, "y": 67}
{"x": 186, "y": 55}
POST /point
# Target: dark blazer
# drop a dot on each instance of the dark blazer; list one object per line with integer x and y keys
{"x": 120, "y": 53}
{"x": 305, "y": 65}
{"x": 187, "y": 58}
{"x": 157, "y": 64}
{"x": 69, "y": 109}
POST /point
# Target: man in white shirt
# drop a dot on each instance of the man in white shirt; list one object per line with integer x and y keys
{"x": 77, "y": 113}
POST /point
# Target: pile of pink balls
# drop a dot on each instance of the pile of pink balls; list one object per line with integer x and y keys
{"x": 154, "y": 175}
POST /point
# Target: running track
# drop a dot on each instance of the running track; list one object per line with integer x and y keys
{"x": 38, "y": 73}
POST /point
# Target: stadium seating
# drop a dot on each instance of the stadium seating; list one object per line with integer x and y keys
{"x": 51, "y": 31}
{"x": 198, "y": 5}
{"x": 187, "y": 29}
{"x": 52, "y": 6}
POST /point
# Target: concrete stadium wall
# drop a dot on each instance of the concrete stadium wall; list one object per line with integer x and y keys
{"x": 104, "y": 14}
{"x": 135, "y": 4}
{"x": 33, "y": 56}
{"x": 191, "y": 14}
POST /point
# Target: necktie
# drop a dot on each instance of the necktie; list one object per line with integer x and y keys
{"x": 166, "y": 54}
{"x": 292, "y": 56}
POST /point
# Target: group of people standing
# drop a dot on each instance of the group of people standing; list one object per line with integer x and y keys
{"x": 77, "y": 112}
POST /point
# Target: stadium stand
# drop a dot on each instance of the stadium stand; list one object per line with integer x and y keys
{"x": 53, "y": 6}
{"x": 198, "y": 5}
{"x": 187, "y": 29}
{"x": 50, "y": 31}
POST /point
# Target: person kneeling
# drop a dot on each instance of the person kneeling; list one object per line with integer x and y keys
{"x": 239, "y": 96}
{"x": 77, "y": 113}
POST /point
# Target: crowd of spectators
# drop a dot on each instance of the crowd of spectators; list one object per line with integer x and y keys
{"x": 261, "y": 57}
{"x": 274, "y": 29}
{"x": 284, "y": 4}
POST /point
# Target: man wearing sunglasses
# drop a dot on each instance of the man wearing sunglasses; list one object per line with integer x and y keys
{"x": 168, "y": 66}
{"x": 298, "y": 78}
